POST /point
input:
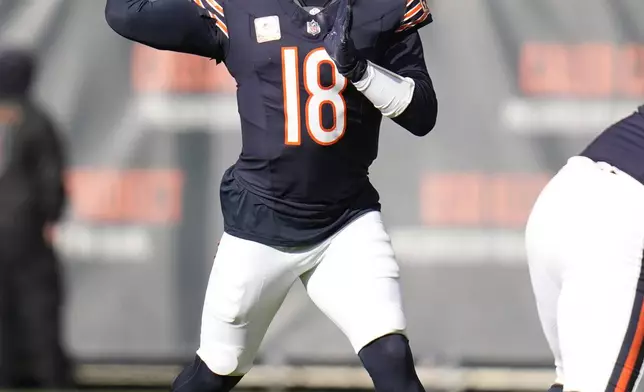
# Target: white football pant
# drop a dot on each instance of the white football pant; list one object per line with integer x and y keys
{"x": 352, "y": 277}
{"x": 585, "y": 239}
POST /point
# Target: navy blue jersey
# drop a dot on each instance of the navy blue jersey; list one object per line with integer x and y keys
{"x": 308, "y": 135}
{"x": 622, "y": 145}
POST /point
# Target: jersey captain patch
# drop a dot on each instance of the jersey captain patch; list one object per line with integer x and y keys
{"x": 417, "y": 15}
{"x": 215, "y": 11}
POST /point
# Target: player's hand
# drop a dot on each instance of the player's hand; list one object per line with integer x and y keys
{"x": 340, "y": 47}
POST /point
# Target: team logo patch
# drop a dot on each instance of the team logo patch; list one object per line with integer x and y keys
{"x": 267, "y": 29}
{"x": 313, "y": 27}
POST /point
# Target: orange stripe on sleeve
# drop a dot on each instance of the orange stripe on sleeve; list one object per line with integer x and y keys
{"x": 417, "y": 14}
{"x": 215, "y": 6}
{"x": 214, "y": 11}
{"x": 418, "y": 8}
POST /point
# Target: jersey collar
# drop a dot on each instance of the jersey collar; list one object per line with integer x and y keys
{"x": 300, "y": 16}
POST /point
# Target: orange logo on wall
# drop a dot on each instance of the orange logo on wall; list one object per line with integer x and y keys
{"x": 156, "y": 71}
{"x": 10, "y": 114}
{"x": 590, "y": 70}
{"x": 131, "y": 196}
{"x": 479, "y": 200}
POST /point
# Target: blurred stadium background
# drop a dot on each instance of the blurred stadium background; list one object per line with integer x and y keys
{"x": 522, "y": 85}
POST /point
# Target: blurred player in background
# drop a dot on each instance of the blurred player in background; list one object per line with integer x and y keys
{"x": 585, "y": 243}
{"x": 315, "y": 78}
{"x": 31, "y": 200}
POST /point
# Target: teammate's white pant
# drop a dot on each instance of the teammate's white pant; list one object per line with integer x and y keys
{"x": 352, "y": 277}
{"x": 585, "y": 239}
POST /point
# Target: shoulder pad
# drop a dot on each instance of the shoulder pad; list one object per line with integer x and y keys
{"x": 214, "y": 9}
{"x": 416, "y": 15}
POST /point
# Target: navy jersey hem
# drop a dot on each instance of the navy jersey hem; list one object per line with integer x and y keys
{"x": 313, "y": 241}
{"x": 275, "y": 222}
{"x": 622, "y": 146}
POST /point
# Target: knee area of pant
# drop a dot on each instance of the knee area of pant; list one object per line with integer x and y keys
{"x": 197, "y": 377}
{"x": 221, "y": 359}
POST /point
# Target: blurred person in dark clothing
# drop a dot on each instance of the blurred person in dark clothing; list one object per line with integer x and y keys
{"x": 32, "y": 197}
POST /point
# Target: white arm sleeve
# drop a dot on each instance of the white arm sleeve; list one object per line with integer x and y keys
{"x": 390, "y": 93}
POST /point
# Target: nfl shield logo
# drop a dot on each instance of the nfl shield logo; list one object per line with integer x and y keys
{"x": 313, "y": 27}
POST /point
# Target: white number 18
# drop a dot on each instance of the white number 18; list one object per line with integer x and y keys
{"x": 318, "y": 96}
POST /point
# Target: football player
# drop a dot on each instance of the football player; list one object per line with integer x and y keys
{"x": 585, "y": 241}
{"x": 314, "y": 80}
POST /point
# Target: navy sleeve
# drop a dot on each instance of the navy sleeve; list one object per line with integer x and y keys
{"x": 416, "y": 15}
{"x": 175, "y": 25}
{"x": 406, "y": 58}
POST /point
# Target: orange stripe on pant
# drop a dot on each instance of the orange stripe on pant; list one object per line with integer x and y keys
{"x": 626, "y": 376}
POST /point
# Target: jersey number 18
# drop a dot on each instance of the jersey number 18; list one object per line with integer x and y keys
{"x": 318, "y": 96}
